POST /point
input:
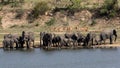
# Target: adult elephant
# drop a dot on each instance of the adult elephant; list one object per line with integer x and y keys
{"x": 47, "y": 40}
{"x": 56, "y": 41}
{"x": 28, "y": 38}
{"x": 89, "y": 39}
{"x": 74, "y": 38}
{"x": 80, "y": 39}
{"x": 10, "y": 39}
{"x": 41, "y": 38}
{"x": 108, "y": 34}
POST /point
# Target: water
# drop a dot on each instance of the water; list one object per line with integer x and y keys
{"x": 82, "y": 58}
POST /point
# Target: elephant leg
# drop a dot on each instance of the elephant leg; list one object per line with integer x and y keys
{"x": 111, "y": 40}
{"x": 16, "y": 45}
{"x": 4, "y": 45}
{"x": 33, "y": 43}
{"x": 104, "y": 42}
{"x": 27, "y": 43}
{"x": 22, "y": 43}
{"x": 92, "y": 42}
{"x": 11, "y": 45}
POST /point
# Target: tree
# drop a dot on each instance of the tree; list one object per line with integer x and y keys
{"x": 109, "y": 8}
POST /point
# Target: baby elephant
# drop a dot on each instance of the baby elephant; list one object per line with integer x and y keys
{"x": 108, "y": 35}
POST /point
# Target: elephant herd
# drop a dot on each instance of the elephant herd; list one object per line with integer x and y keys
{"x": 77, "y": 39}
{"x": 25, "y": 38}
{"x": 54, "y": 40}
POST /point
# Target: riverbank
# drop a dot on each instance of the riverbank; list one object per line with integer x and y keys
{"x": 107, "y": 46}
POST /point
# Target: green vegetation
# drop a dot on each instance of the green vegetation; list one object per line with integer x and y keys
{"x": 109, "y": 8}
{"x": 14, "y": 26}
{"x": 50, "y": 22}
{"x": 39, "y": 9}
{"x": 19, "y": 14}
{"x": 93, "y": 23}
{"x": 76, "y": 5}
{"x": 0, "y": 20}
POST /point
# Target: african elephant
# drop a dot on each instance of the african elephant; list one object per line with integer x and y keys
{"x": 56, "y": 40}
{"x": 64, "y": 42}
{"x": 89, "y": 39}
{"x": 27, "y": 37}
{"x": 104, "y": 35}
{"x": 10, "y": 39}
{"x": 74, "y": 38}
{"x": 80, "y": 39}
{"x": 41, "y": 38}
{"x": 8, "y": 43}
{"x": 47, "y": 39}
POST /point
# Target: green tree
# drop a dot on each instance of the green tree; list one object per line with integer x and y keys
{"x": 109, "y": 8}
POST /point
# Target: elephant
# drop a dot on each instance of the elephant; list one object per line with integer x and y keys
{"x": 47, "y": 40}
{"x": 108, "y": 34}
{"x": 10, "y": 39}
{"x": 89, "y": 39}
{"x": 64, "y": 42}
{"x": 27, "y": 37}
{"x": 56, "y": 40}
{"x": 8, "y": 43}
{"x": 74, "y": 38}
{"x": 80, "y": 39}
{"x": 41, "y": 38}
{"x": 68, "y": 36}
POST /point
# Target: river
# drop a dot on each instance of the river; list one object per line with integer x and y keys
{"x": 79, "y": 58}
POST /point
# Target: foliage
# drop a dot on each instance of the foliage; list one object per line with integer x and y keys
{"x": 0, "y": 20}
{"x": 50, "y": 22}
{"x": 76, "y": 5}
{"x": 40, "y": 9}
{"x": 13, "y": 26}
{"x": 93, "y": 23}
{"x": 109, "y": 8}
{"x": 20, "y": 13}
{"x": 15, "y": 4}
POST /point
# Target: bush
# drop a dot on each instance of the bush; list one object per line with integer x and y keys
{"x": 15, "y": 4}
{"x": 50, "y": 22}
{"x": 93, "y": 23}
{"x": 14, "y": 26}
{"x": 0, "y": 20}
{"x": 109, "y": 8}
{"x": 20, "y": 13}
{"x": 40, "y": 9}
{"x": 76, "y": 5}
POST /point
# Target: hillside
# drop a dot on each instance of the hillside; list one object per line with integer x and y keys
{"x": 14, "y": 17}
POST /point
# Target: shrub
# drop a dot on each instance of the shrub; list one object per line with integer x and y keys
{"x": 0, "y": 20}
{"x": 93, "y": 23}
{"x": 76, "y": 5}
{"x": 40, "y": 9}
{"x": 109, "y": 8}
{"x": 50, "y": 22}
{"x": 20, "y": 13}
{"x": 13, "y": 26}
